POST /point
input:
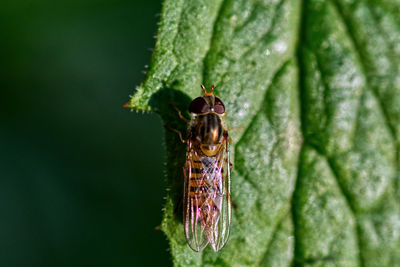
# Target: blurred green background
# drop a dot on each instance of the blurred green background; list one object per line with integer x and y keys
{"x": 81, "y": 178}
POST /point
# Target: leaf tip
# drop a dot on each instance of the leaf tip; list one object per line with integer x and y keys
{"x": 138, "y": 101}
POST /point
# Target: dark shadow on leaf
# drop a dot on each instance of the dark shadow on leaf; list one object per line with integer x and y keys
{"x": 161, "y": 102}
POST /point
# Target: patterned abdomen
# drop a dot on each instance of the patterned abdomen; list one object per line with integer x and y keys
{"x": 205, "y": 188}
{"x": 207, "y": 212}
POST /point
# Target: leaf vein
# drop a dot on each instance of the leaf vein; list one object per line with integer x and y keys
{"x": 374, "y": 90}
{"x": 349, "y": 204}
{"x": 212, "y": 39}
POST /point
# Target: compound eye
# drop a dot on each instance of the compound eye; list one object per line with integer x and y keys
{"x": 219, "y": 107}
{"x": 198, "y": 105}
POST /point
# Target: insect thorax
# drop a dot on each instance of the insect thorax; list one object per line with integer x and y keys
{"x": 207, "y": 132}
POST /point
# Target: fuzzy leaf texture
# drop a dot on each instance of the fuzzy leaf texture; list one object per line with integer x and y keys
{"x": 313, "y": 90}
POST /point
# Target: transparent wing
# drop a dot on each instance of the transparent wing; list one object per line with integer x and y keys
{"x": 192, "y": 215}
{"x": 207, "y": 200}
{"x": 221, "y": 228}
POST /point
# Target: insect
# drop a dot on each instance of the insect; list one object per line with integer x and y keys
{"x": 207, "y": 199}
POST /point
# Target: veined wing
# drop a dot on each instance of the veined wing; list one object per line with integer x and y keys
{"x": 221, "y": 228}
{"x": 194, "y": 198}
{"x": 207, "y": 201}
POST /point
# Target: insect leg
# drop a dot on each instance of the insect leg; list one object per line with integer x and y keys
{"x": 179, "y": 113}
{"x": 176, "y": 131}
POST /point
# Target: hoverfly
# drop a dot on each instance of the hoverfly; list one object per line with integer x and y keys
{"x": 207, "y": 199}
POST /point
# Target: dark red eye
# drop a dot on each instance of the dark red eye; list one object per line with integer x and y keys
{"x": 219, "y": 107}
{"x": 199, "y": 105}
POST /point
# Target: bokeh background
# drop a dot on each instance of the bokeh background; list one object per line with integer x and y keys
{"x": 81, "y": 179}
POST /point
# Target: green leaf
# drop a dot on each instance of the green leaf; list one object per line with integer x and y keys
{"x": 313, "y": 90}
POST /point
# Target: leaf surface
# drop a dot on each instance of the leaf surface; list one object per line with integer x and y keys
{"x": 312, "y": 91}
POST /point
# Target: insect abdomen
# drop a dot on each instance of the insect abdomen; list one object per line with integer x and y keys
{"x": 204, "y": 188}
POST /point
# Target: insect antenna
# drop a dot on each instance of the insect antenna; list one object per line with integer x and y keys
{"x": 205, "y": 91}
